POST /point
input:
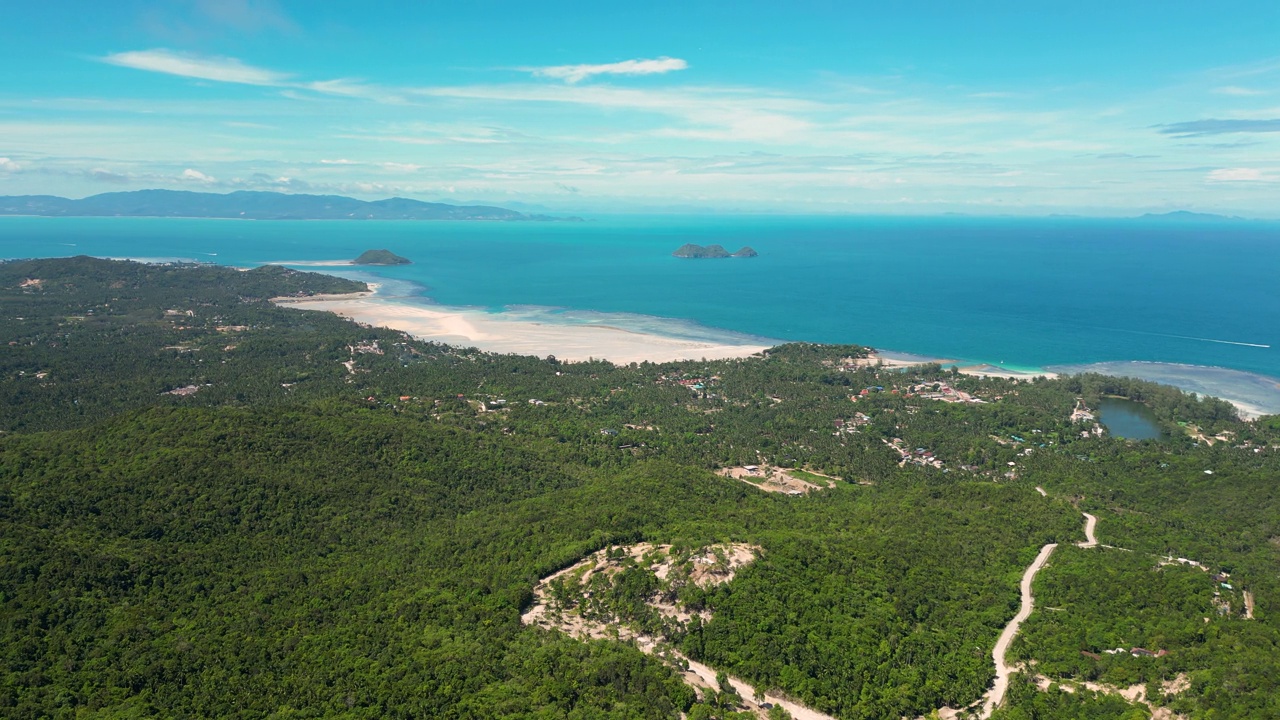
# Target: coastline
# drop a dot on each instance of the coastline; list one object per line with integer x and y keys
{"x": 544, "y": 331}
{"x": 1253, "y": 394}
{"x": 522, "y": 333}
{"x": 531, "y": 331}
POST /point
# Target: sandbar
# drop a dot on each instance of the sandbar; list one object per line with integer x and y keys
{"x": 316, "y": 263}
{"x": 893, "y": 361}
{"x": 516, "y": 333}
{"x": 995, "y": 371}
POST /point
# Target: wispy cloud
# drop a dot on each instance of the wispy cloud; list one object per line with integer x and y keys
{"x": 219, "y": 69}
{"x": 1194, "y": 128}
{"x": 578, "y": 73}
{"x": 7, "y": 165}
{"x": 720, "y": 114}
{"x": 232, "y": 70}
{"x": 354, "y": 89}
{"x": 246, "y": 15}
{"x": 1238, "y": 91}
{"x": 583, "y": 131}
{"x": 1253, "y": 69}
{"x": 109, "y": 176}
{"x": 198, "y": 21}
{"x": 1239, "y": 175}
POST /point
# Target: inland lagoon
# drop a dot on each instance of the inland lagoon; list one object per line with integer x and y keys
{"x": 1127, "y": 419}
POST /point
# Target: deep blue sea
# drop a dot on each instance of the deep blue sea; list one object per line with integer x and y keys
{"x": 1029, "y": 293}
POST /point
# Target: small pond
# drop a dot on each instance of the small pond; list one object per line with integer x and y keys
{"x": 1128, "y": 419}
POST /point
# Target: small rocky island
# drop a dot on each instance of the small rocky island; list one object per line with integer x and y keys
{"x": 380, "y": 257}
{"x": 689, "y": 250}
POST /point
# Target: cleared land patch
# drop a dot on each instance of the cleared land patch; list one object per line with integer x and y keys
{"x": 638, "y": 593}
{"x": 780, "y": 480}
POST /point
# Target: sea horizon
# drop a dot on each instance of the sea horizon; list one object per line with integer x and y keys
{"x": 1117, "y": 296}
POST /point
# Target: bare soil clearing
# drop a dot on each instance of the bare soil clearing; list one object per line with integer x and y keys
{"x": 1133, "y": 693}
{"x": 710, "y": 566}
{"x": 774, "y": 479}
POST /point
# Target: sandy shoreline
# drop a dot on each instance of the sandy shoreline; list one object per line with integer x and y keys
{"x": 523, "y": 333}
{"x": 319, "y": 263}
{"x": 514, "y": 333}
{"x": 509, "y": 333}
{"x": 995, "y": 371}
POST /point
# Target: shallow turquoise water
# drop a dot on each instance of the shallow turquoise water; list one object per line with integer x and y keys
{"x": 1025, "y": 292}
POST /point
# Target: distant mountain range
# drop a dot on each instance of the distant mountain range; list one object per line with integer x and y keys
{"x": 248, "y": 205}
{"x": 1188, "y": 216}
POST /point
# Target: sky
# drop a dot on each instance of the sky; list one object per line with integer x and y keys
{"x": 994, "y": 107}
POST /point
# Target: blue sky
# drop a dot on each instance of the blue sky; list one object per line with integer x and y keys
{"x": 887, "y": 107}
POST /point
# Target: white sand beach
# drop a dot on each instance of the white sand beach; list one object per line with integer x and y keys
{"x": 895, "y": 361}
{"x": 314, "y": 263}
{"x": 516, "y": 333}
{"x": 528, "y": 333}
{"x": 995, "y": 371}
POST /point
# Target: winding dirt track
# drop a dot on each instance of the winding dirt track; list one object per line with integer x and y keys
{"x": 708, "y": 676}
{"x": 995, "y": 696}
{"x": 1091, "y": 540}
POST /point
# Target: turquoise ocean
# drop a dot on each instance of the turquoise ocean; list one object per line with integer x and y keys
{"x": 1194, "y": 303}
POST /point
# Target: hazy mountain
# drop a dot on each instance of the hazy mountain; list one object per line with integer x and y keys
{"x": 252, "y": 206}
{"x": 1188, "y": 216}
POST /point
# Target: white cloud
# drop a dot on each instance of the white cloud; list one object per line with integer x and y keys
{"x": 232, "y": 70}
{"x": 7, "y": 165}
{"x": 351, "y": 88}
{"x": 577, "y": 73}
{"x": 197, "y": 176}
{"x": 721, "y": 114}
{"x": 1238, "y": 175}
{"x": 1238, "y": 91}
{"x": 109, "y": 176}
{"x": 220, "y": 69}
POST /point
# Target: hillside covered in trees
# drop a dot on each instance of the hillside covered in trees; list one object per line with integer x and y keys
{"x": 211, "y": 506}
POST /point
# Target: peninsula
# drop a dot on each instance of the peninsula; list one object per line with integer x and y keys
{"x": 689, "y": 250}
{"x": 250, "y": 205}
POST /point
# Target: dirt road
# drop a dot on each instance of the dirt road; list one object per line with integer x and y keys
{"x": 1091, "y": 540}
{"x": 708, "y": 676}
{"x": 995, "y": 696}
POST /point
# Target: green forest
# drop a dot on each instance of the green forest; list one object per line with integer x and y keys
{"x": 215, "y": 506}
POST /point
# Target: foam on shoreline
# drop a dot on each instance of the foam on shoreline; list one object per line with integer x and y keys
{"x": 1253, "y": 395}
